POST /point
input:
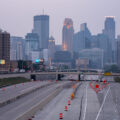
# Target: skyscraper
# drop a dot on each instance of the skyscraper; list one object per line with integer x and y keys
{"x": 17, "y": 48}
{"x": 86, "y": 35}
{"x": 20, "y": 51}
{"x": 51, "y": 47}
{"x": 4, "y": 51}
{"x": 118, "y": 51}
{"x": 67, "y": 35}
{"x": 41, "y": 27}
{"x": 82, "y": 39}
{"x": 32, "y": 44}
{"x": 79, "y": 41}
{"x": 109, "y": 30}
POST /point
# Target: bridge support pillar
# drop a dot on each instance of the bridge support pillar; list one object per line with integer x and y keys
{"x": 79, "y": 77}
{"x": 58, "y": 76}
{"x": 33, "y": 77}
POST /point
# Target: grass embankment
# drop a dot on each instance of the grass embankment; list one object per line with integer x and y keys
{"x": 117, "y": 79}
{"x": 12, "y": 81}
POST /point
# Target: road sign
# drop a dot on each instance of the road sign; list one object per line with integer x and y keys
{"x": 107, "y": 73}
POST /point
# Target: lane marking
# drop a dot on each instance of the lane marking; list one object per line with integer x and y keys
{"x": 85, "y": 103}
{"x": 102, "y": 104}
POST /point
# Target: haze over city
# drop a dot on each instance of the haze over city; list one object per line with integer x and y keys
{"x": 59, "y": 59}
{"x": 17, "y": 15}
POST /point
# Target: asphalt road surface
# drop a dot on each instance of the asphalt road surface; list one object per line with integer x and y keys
{"x": 13, "y": 91}
{"x": 15, "y": 109}
{"x": 87, "y": 105}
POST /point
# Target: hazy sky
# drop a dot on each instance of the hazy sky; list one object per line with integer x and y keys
{"x": 16, "y": 16}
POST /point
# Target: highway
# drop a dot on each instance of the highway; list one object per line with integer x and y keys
{"x": 87, "y": 104}
{"x": 17, "y": 108}
{"x": 13, "y": 91}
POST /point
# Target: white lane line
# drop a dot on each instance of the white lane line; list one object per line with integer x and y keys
{"x": 102, "y": 104}
{"x": 85, "y": 103}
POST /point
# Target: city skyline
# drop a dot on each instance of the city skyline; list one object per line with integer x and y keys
{"x": 23, "y": 18}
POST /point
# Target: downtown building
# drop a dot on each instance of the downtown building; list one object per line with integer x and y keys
{"x": 41, "y": 27}
{"x": 32, "y": 50}
{"x": 118, "y": 51}
{"x": 17, "y": 48}
{"x": 4, "y": 51}
{"x": 67, "y": 35}
{"x": 109, "y": 30}
{"x": 51, "y": 50}
{"x": 101, "y": 41}
{"x": 94, "y": 56}
{"x": 37, "y": 41}
{"x": 82, "y": 39}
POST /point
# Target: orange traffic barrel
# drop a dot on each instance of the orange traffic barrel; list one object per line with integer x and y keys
{"x": 61, "y": 116}
{"x": 66, "y": 109}
{"x": 69, "y": 103}
{"x": 97, "y": 86}
{"x": 104, "y": 81}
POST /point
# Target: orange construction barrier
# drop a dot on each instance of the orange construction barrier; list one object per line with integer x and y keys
{"x": 66, "y": 109}
{"x": 69, "y": 103}
{"x": 60, "y": 116}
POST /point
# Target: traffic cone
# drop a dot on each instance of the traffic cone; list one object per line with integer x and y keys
{"x": 104, "y": 81}
{"x": 69, "y": 103}
{"x": 97, "y": 86}
{"x": 60, "y": 116}
{"x": 66, "y": 109}
{"x": 72, "y": 96}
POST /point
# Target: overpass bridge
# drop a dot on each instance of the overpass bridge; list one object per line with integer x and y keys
{"x": 54, "y": 75}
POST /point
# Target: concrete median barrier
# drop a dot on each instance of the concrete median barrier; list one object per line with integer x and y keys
{"x": 75, "y": 90}
{"x": 22, "y": 95}
{"x": 35, "y": 108}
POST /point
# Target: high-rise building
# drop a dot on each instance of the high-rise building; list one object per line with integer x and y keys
{"x": 94, "y": 55}
{"x": 101, "y": 41}
{"x": 41, "y": 27}
{"x": 4, "y": 51}
{"x": 19, "y": 51}
{"x": 78, "y": 41}
{"x": 32, "y": 44}
{"x": 86, "y": 35}
{"x": 51, "y": 47}
{"x": 109, "y": 30}
{"x": 82, "y": 39}
{"x": 118, "y": 51}
{"x": 67, "y": 35}
{"x": 17, "y": 48}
